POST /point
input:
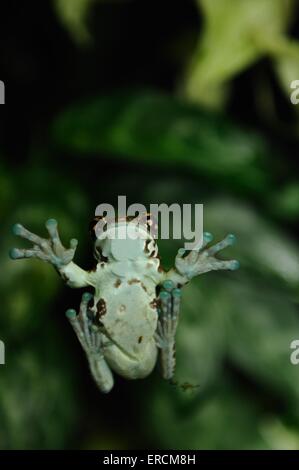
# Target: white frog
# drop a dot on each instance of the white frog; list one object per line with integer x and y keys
{"x": 132, "y": 317}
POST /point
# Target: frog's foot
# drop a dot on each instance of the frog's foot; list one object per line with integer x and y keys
{"x": 92, "y": 342}
{"x": 169, "y": 300}
{"x": 203, "y": 260}
{"x": 50, "y": 250}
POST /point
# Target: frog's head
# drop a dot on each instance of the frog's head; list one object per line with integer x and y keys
{"x": 124, "y": 239}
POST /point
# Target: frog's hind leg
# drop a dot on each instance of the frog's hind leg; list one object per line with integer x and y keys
{"x": 169, "y": 301}
{"x": 91, "y": 342}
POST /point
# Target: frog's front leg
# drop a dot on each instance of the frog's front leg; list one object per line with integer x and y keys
{"x": 52, "y": 251}
{"x": 168, "y": 311}
{"x": 92, "y": 342}
{"x": 201, "y": 261}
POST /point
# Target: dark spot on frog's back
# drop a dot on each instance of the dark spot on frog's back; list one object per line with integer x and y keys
{"x": 133, "y": 281}
{"x": 93, "y": 269}
{"x": 117, "y": 283}
{"x": 160, "y": 267}
{"x": 140, "y": 339}
{"x": 101, "y": 309}
{"x": 144, "y": 287}
{"x": 154, "y": 303}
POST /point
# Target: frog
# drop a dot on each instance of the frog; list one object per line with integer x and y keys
{"x": 129, "y": 321}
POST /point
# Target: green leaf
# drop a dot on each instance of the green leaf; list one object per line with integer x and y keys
{"x": 261, "y": 246}
{"x": 161, "y": 131}
{"x": 38, "y": 400}
{"x": 225, "y": 419}
{"x": 236, "y": 34}
{"x": 74, "y": 16}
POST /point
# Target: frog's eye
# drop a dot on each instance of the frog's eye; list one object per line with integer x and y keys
{"x": 97, "y": 226}
{"x": 149, "y": 222}
{"x": 151, "y": 248}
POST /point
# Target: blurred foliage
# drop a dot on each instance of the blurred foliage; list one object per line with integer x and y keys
{"x": 236, "y": 34}
{"x": 235, "y": 329}
{"x": 74, "y": 16}
{"x": 162, "y": 130}
{"x": 233, "y": 325}
{"x": 33, "y": 413}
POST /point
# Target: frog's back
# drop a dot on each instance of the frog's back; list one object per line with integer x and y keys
{"x": 127, "y": 310}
